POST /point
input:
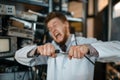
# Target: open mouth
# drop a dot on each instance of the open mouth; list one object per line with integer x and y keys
{"x": 57, "y": 35}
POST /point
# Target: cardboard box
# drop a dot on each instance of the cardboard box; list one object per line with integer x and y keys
{"x": 76, "y": 8}
{"x": 17, "y": 24}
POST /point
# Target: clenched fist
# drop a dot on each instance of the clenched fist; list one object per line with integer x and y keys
{"x": 78, "y": 51}
{"x": 74, "y": 52}
{"x": 46, "y": 50}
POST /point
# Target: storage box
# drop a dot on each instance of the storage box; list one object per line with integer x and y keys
{"x": 76, "y": 8}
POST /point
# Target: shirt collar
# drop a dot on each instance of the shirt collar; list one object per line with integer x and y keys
{"x": 69, "y": 40}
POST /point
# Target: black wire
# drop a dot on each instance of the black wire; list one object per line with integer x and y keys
{"x": 84, "y": 55}
{"x": 90, "y": 59}
{"x": 24, "y": 75}
{"x": 30, "y": 73}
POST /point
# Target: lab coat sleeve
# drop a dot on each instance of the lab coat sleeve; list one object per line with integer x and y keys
{"x": 88, "y": 42}
{"x": 107, "y": 49}
{"x": 104, "y": 49}
{"x": 22, "y": 58}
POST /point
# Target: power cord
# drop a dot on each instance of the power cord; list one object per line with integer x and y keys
{"x": 90, "y": 59}
{"x": 84, "y": 55}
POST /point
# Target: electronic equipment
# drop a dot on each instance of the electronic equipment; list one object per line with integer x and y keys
{"x": 8, "y": 46}
{"x": 0, "y": 25}
{"x": 11, "y": 30}
{"x": 7, "y": 9}
{"x": 24, "y": 33}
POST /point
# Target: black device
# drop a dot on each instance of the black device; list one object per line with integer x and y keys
{"x": 0, "y": 25}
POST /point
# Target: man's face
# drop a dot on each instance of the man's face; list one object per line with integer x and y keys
{"x": 59, "y": 30}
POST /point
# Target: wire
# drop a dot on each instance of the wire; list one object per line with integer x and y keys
{"x": 89, "y": 59}
{"x": 84, "y": 55}
{"x": 24, "y": 75}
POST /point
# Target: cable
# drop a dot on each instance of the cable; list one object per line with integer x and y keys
{"x": 57, "y": 51}
{"x": 90, "y": 59}
{"x": 84, "y": 55}
{"x": 24, "y": 75}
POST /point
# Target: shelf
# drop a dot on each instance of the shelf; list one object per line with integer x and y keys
{"x": 75, "y": 19}
{"x": 33, "y": 2}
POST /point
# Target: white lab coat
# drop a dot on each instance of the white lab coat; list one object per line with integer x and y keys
{"x": 62, "y": 68}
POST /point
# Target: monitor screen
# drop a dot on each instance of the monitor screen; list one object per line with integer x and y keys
{"x": 4, "y": 45}
{"x": 8, "y": 46}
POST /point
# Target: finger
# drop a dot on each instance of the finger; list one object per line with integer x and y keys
{"x": 78, "y": 52}
{"x": 53, "y": 51}
{"x": 40, "y": 50}
{"x": 45, "y": 50}
{"x": 75, "y": 54}
{"x": 48, "y": 49}
{"x": 70, "y": 53}
{"x": 84, "y": 50}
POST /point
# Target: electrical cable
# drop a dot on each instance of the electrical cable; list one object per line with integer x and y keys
{"x": 58, "y": 51}
{"x": 24, "y": 75}
{"x": 84, "y": 55}
{"x": 30, "y": 73}
{"x": 90, "y": 59}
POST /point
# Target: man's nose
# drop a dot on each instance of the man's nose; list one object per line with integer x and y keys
{"x": 53, "y": 30}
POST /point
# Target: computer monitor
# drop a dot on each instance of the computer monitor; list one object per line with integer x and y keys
{"x": 8, "y": 46}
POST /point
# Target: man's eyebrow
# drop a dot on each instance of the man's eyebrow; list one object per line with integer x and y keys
{"x": 55, "y": 22}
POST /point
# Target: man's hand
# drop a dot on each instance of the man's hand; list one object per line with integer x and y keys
{"x": 46, "y": 50}
{"x": 78, "y": 51}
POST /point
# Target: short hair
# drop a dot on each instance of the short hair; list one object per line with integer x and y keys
{"x": 58, "y": 15}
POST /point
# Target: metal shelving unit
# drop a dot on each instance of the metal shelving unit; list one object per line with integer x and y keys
{"x": 75, "y": 19}
{"x": 33, "y": 2}
{"x": 47, "y": 4}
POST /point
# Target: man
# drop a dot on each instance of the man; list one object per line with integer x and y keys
{"x": 76, "y": 61}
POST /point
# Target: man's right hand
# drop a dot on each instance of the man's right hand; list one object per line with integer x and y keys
{"x": 46, "y": 50}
